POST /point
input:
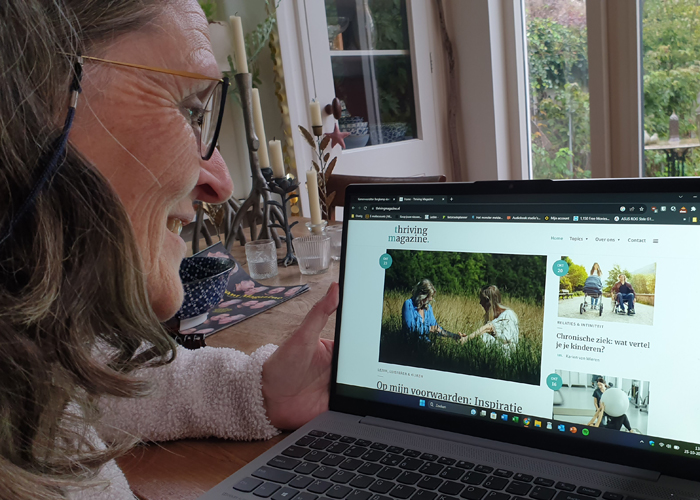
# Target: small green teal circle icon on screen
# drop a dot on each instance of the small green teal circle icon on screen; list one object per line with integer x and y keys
{"x": 585, "y": 432}
{"x": 554, "y": 381}
{"x": 385, "y": 261}
{"x": 561, "y": 268}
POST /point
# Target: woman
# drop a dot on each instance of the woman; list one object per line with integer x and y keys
{"x": 89, "y": 251}
{"x": 417, "y": 313}
{"x": 500, "y": 322}
{"x": 601, "y": 387}
{"x": 594, "y": 285}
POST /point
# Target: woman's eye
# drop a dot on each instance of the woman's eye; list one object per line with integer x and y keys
{"x": 196, "y": 116}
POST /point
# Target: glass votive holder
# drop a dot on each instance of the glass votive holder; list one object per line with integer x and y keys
{"x": 262, "y": 259}
{"x": 313, "y": 253}
{"x": 336, "y": 234}
{"x": 319, "y": 228}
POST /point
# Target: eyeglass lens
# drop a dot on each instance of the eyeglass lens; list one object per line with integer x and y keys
{"x": 211, "y": 120}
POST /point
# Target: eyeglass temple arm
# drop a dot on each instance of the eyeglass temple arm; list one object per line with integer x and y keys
{"x": 186, "y": 74}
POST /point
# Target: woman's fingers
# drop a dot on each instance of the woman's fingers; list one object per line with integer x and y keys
{"x": 316, "y": 319}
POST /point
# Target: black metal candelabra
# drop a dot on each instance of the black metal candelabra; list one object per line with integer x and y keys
{"x": 286, "y": 189}
{"x": 257, "y": 207}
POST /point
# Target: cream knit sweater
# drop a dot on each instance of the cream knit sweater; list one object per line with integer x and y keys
{"x": 207, "y": 392}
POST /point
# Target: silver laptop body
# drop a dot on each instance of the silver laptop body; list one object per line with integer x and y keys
{"x": 421, "y": 412}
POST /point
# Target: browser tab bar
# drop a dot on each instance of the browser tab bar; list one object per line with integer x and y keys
{"x": 439, "y": 208}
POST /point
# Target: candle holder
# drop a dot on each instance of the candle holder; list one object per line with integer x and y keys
{"x": 313, "y": 252}
{"x": 285, "y": 188}
{"x": 324, "y": 163}
{"x": 319, "y": 228}
{"x": 256, "y": 208}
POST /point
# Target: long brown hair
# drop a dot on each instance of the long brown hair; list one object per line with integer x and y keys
{"x": 422, "y": 293}
{"x": 75, "y": 318}
{"x": 595, "y": 268}
{"x": 491, "y": 295}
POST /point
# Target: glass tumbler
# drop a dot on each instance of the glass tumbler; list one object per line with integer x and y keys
{"x": 336, "y": 234}
{"x": 313, "y": 253}
{"x": 262, "y": 259}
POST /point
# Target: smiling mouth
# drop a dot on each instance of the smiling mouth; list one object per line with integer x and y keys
{"x": 175, "y": 226}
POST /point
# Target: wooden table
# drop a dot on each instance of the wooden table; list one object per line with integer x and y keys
{"x": 186, "y": 469}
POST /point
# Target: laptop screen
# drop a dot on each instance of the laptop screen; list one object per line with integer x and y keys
{"x": 567, "y": 314}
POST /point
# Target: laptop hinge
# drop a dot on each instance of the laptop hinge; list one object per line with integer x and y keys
{"x": 515, "y": 449}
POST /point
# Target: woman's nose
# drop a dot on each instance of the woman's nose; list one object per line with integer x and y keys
{"x": 214, "y": 184}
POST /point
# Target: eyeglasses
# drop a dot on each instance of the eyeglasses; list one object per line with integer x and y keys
{"x": 208, "y": 119}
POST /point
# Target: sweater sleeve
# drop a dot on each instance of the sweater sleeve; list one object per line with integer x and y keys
{"x": 430, "y": 319}
{"x": 408, "y": 317}
{"x": 506, "y": 327}
{"x": 206, "y": 392}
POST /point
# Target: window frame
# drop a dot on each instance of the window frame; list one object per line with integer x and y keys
{"x": 615, "y": 85}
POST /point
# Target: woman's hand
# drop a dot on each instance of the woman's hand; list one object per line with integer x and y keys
{"x": 296, "y": 378}
{"x": 487, "y": 328}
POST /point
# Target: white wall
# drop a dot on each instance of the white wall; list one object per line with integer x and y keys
{"x": 491, "y": 80}
{"x": 471, "y": 33}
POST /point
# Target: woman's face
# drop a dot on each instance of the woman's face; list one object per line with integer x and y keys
{"x": 601, "y": 386}
{"x": 484, "y": 303}
{"x": 134, "y": 126}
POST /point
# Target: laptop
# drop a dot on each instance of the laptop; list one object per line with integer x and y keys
{"x": 506, "y": 341}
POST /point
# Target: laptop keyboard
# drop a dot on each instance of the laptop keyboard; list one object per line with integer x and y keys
{"x": 325, "y": 466}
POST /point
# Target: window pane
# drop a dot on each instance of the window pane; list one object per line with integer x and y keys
{"x": 372, "y": 70}
{"x": 671, "y": 49}
{"x": 559, "y": 102}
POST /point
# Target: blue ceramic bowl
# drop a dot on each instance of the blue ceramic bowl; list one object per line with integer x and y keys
{"x": 356, "y": 141}
{"x": 347, "y": 120}
{"x": 359, "y": 128}
{"x": 393, "y": 132}
{"x": 204, "y": 280}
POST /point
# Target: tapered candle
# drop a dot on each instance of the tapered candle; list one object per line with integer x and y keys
{"x": 239, "y": 52}
{"x": 315, "y": 109}
{"x": 263, "y": 155}
{"x": 314, "y": 202}
{"x": 277, "y": 158}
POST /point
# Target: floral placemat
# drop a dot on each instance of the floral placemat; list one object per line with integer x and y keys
{"x": 243, "y": 298}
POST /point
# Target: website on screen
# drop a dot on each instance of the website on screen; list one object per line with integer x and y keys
{"x": 536, "y": 316}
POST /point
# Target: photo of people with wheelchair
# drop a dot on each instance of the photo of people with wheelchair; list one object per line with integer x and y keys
{"x": 608, "y": 289}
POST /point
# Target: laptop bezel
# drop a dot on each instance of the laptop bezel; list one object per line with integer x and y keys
{"x": 671, "y": 465}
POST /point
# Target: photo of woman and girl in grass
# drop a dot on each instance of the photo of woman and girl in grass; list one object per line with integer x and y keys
{"x": 470, "y": 313}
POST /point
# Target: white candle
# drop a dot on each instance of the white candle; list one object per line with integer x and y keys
{"x": 314, "y": 202}
{"x": 277, "y": 158}
{"x": 315, "y": 109}
{"x": 239, "y": 52}
{"x": 263, "y": 156}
